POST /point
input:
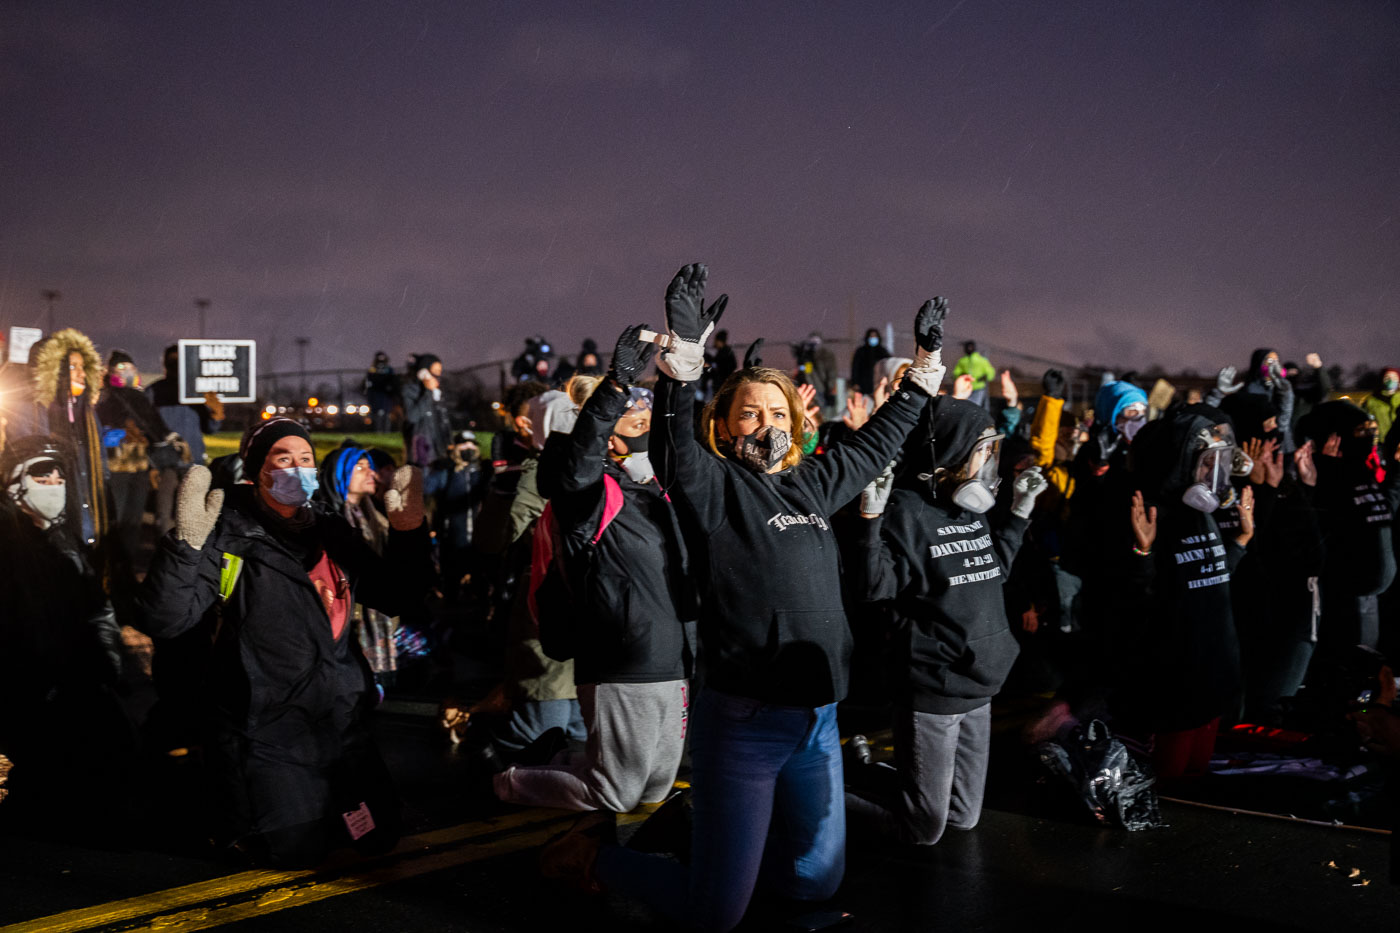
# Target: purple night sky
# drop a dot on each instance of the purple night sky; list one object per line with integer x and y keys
{"x": 1099, "y": 181}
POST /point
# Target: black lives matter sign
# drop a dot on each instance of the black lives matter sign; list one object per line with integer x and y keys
{"x": 228, "y": 368}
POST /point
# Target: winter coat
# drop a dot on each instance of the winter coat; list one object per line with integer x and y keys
{"x": 635, "y": 595}
{"x": 530, "y": 673}
{"x": 58, "y": 630}
{"x": 427, "y": 429}
{"x": 772, "y": 624}
{"x": 130, "y": 410}
{"x": 978, "y": 367}
{"x": 285, "y": 697}
{"x": 191, "y": 422}
{"x": 1383, "y": 408}
{"x": 73, "y": 419}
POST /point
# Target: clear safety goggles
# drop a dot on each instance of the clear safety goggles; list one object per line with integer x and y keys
{"x": 983, "y": 463}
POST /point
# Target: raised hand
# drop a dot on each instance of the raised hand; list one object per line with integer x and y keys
{"x": 686, "y": 314}
{"x": 928, "y": 324}
{"x": 857, "y": 411}
{"x": 1144, "y": 522}
{"x": 1303, "y": 461}
{"x": 877, "y": 495}
{"x": 1226, "y": 383}
{"x": 1246, "y": 511}
{"x": 1273, "y": 463}
{"x": 1254, "y": 450}
{"x": 197, "y": 507}
{"x": 1333, "y": 446}
{"x": 630, "y": 356}
{"x": 404, "y": 499}
{"x": 1008, "y": 389}
{"x": 962, "y": 386}
{"x": 881, "y": 395}
{"x": 1028, "y": 485}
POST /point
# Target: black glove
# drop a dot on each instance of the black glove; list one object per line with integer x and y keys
{"x": 1053, "y": 382}
{"x": 630, "y": 356}
{"x": 686, "y": 314}
{"x": 928, "y": 324}
{"x": 751, "y": 357}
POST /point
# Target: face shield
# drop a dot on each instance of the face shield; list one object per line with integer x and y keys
{"x": 1217, "y": 459}
{"x": 978, "y": 490}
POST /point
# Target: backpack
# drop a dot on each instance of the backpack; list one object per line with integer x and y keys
{"x": 553, "y": 596}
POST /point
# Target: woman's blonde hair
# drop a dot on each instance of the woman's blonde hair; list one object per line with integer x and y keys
{"x": 718, "y": 409}
{"x": 580, "y": 387}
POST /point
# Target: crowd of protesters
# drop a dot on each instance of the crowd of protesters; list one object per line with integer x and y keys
{"x": 688, "y": 559}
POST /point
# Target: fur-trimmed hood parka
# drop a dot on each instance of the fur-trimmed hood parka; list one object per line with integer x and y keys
{"x": 73, "y": 418}
{"x": 50, "y": 365}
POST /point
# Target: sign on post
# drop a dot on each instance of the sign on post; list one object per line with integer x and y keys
{"x": 21, "y": 340}
{"x": 228, "y": 368}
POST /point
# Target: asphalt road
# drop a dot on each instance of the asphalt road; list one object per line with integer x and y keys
{"x": 469, "y": 866}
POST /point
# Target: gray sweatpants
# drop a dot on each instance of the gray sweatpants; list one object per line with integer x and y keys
{"x": 939, "y": 779}
{"x": 636, "y": 733}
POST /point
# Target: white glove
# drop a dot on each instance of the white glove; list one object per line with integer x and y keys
{"x": 876, "y": 496}
{"x": 1225, "y": 381}
{"x": 197, "y": 507}
{"x": 684, "y": 360}
{"x": 404, "y": 499}
{"x": 928, "y": 371}
{"x": 1029, "y": 484}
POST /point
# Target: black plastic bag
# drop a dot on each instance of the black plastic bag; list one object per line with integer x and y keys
{"x": 1115, "y": 786}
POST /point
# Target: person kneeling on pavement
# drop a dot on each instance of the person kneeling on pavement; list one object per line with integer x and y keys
{"x": 289, "y": 692}
{"x": 940, "y": 560}
{"x": 626, "y": 624}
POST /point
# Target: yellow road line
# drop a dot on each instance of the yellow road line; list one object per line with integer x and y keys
{"x": 228, "y": 886}
{"x": 297, "y": 894}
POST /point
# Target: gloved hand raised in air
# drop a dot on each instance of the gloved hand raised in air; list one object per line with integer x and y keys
{"x": 630, "y": 356}
{"x": 876, "y": 496}
{"x": 927, "y": 371}
{"x": 404, "y": 499}
{"x": 1225, "y": 381}
{"x": 689, "y": 323}
{"x": 1028, "y": 485}
{"x": 1053, "y": 382}
{"x": 197, "y": 507}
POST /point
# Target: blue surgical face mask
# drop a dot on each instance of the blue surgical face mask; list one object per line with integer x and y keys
{"x": 872, "y": 341}
{"x": 293, "y": 486}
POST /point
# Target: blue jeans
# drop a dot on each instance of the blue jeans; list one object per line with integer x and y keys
{"x": 768, "y": 805}
{"x": 529, "y": 719}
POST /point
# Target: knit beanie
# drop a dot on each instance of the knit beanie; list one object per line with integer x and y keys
{"x": 259, "y": 438}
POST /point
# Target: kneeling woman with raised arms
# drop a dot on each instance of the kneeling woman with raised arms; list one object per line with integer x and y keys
{"x": 775, "y": 645}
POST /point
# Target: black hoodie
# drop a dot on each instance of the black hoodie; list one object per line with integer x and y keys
{"x": 1355, "y": 511}
{"x": 1176, "y": 651}
{"x": 943, "y": 568}
{"x": 772, "y": 626}
{"x": 634, "y": 595}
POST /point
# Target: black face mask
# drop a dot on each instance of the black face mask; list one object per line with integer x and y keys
{"x": 763, "y": 449}
{"x": 1359, "y": 448}
{"x": 636, "y": 445}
